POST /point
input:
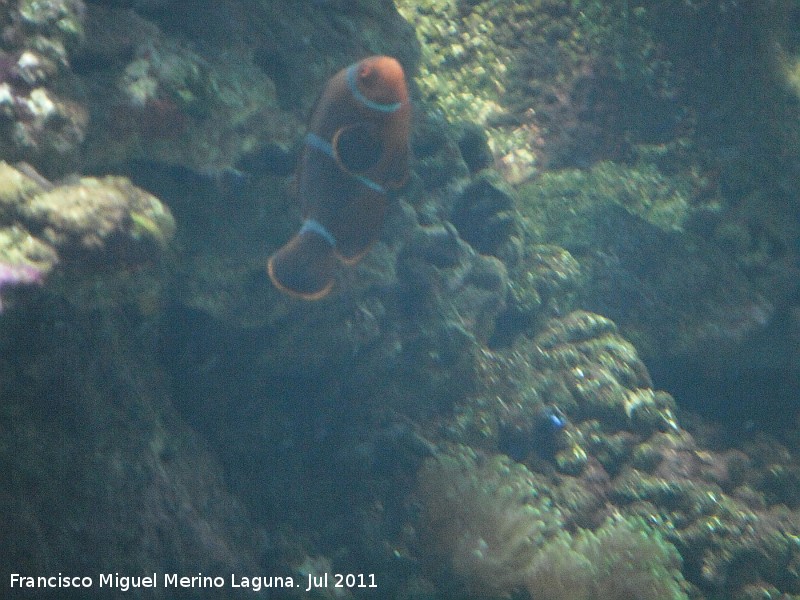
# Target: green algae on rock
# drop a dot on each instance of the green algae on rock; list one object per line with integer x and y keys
{"x": 669, "y": 289}
{"x": 96, "y": 216}
{"x": 663, "y": 201}
{"x": 554, "y": 83}
{"x": 84, "y": 227}
{"x": 462, "y": 80}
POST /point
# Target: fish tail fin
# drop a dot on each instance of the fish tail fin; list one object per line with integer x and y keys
{"x": 304, "y": 266}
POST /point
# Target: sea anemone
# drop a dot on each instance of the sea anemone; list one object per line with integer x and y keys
{"x": 488, "y": 526}
{"x": 484, "y": 518}
{"x": 625, "y": 559}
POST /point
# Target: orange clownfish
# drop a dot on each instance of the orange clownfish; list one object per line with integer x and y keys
{"x": 355, "y": 151}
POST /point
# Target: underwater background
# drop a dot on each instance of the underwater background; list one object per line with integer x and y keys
{"x": 568, "y": 369}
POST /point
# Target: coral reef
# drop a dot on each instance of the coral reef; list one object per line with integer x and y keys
{"x": 571, "y": 85}
{"x": 90, "y": 228}
{"x": 482, "y": 407}
{"x": 37, "y": 123}
{"x": 107, "y": 215}
{"x": 577, "y": 367}
{"x": 668, "y": 289}
{"x": 619, "y": 449}
{"x": 155, "y": 98}
{"x": 88, "y": 428}
{"x": 554, "y": 84}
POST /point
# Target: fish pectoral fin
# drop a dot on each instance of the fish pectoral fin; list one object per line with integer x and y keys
{"x": 357, "y": 148}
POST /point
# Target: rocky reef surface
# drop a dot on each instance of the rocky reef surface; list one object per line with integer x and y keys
{"x": 574, "y": 343}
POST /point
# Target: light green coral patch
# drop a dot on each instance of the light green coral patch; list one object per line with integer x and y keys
{"x": 53, "y": 17}
{"x": 663, "y": 201}
{"x": 19, "y": 247}
{"x": 650, "y": 407}
{"x": 95, "y": 213}
{"x": 153, "y": 227}
{"x": 463, "y": 70}
{"x": 150, "y": 219}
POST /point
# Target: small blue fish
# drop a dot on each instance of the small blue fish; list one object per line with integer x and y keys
{"x": 552, "y": 419}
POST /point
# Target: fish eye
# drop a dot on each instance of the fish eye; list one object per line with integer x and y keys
{"x": 366, "y": 73}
